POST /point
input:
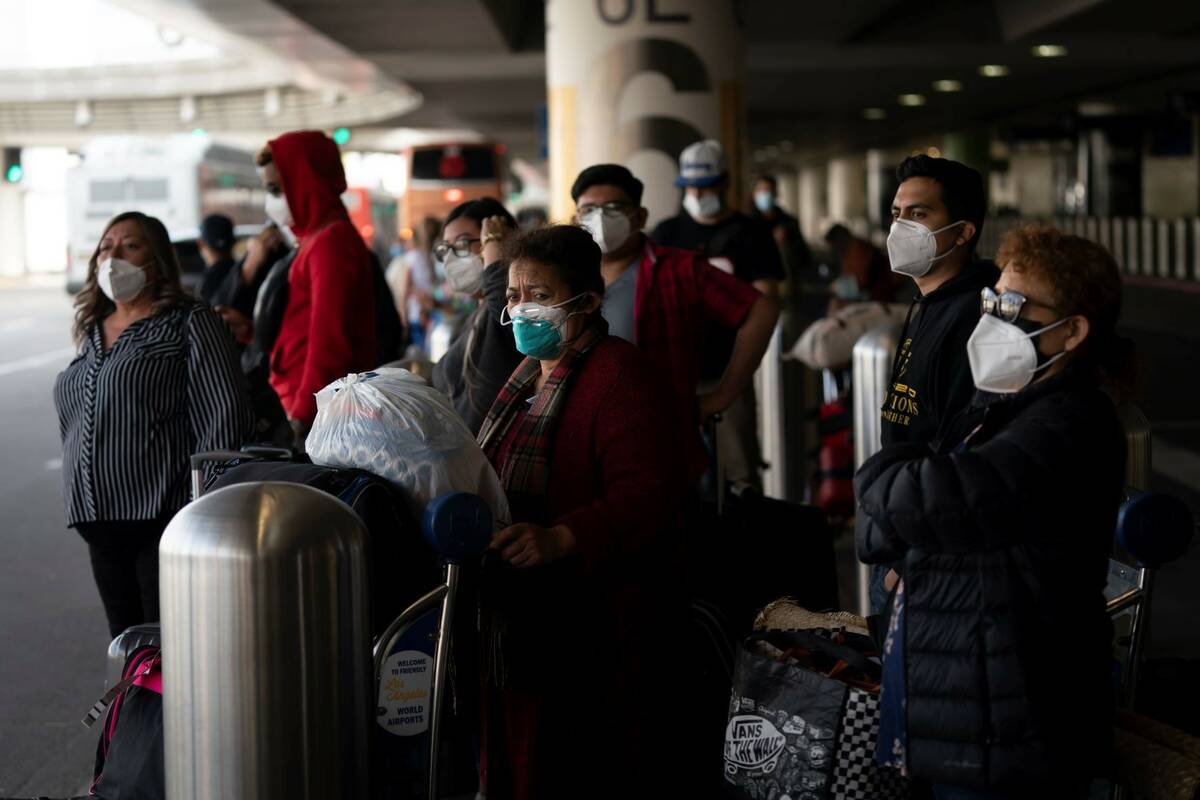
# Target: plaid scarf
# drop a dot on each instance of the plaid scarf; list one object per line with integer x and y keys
{"x": 525, "y": 475}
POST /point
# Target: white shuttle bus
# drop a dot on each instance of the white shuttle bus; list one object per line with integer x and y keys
{"x": 179, "y": 179}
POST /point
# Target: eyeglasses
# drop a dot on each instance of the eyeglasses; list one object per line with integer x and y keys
{"x": 613, "y": 208}
{"x": 461, "y": 247}
{"x": 1006, "y": 305}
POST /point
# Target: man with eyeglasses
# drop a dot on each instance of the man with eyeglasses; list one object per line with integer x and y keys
{"x": 662, "y": 299}
{"x": 937, "y": 216}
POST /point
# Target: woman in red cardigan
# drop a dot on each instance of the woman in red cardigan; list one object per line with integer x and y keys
{"x": 579, "y": 597}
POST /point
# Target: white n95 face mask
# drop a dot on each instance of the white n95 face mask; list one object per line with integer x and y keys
{"x": 278, "y": 210}
{"x": 609, "y": 232}
{"x": 465, "y": 273}
{"x": 912, "y": 248}
{"x": 1003, "y": 357}
{"x": 120, "y": 280}
{"x": 702, "y": 206}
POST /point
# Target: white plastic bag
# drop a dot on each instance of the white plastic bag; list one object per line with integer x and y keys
{"x": 829, "y": 342}
{"x": 391, "y": 423}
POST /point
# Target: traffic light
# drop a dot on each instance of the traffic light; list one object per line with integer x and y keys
{"x": 13, "y": 171}
{"x": 341, "y": 135}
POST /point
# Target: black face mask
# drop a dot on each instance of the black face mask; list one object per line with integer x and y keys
{"x": 1029, "y": 326}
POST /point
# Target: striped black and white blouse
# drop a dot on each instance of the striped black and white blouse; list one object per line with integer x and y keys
{"x": 170, "y": 386}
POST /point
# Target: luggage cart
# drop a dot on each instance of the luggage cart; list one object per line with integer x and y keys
{"x": 1153, "y": 529}
{"x": 457, "y": 526}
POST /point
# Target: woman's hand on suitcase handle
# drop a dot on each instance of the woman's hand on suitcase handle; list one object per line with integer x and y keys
{"x": 524, "y": 545}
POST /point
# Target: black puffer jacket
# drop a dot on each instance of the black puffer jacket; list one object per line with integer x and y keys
{"x": 1004, "y": 542}
{"x": 483, "y": 354}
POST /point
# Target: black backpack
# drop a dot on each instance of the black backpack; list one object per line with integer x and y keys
{"x": 390, "y": 336}
{"x": 129, "y": 755}
{"x": 390, "y": 333}
{"x": 403, "y": 566}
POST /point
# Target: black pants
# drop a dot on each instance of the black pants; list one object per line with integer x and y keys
{"x": 125, "y": 565}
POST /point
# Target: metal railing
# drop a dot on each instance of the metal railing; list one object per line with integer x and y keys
{"x": 1142, "y": 246}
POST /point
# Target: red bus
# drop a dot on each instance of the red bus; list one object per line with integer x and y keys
{"x": 440, "y": 176}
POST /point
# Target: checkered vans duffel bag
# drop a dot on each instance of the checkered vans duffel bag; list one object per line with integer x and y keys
{"x": 856, "y": 775}
{"x": 804, "y": 718}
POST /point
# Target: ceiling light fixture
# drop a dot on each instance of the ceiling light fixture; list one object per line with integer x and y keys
{"x": 947, "y": 86}
{"x": 993, "y": 70}
{"x": 874, "y": 113}
{"x": 1049, "y": 51}
{"x": 911, "y": 100}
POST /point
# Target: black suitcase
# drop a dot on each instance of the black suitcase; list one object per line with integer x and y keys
{"x": 403, "y": 567}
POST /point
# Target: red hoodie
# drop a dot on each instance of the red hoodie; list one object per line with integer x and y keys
{"x": 328, "y": 328}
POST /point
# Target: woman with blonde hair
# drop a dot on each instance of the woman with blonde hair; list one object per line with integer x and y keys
{"x": 156, "y": 379}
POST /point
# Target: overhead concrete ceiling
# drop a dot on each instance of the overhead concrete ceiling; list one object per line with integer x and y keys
{"x": 250, "y": 69}
{"x": 812, "y": 68}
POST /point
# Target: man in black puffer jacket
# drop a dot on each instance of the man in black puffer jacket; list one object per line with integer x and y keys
{"x": 1004, "y": 540}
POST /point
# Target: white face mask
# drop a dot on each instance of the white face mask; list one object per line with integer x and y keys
{"x": 120, "y": 280}
{"x": 912, "y": 248}
{"x": 609, "y": 232}
{"x": 465, "y": 273}
{"x": 1003, "y": 357}
{"x": 705, "y": 206}
{"x": 277, "y": 209}
{"x": 764, "y": 201}
{"x": 556, "y": 314}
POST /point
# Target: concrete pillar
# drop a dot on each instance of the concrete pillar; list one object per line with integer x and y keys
{"x": 1032, "y": 172}
{"x": 847, "y": 191}
{"x": 635, "y": 82}
{"x": 880, "y": 191}
{"x": 789, "y": 190}
{"x": 813, "y": 211}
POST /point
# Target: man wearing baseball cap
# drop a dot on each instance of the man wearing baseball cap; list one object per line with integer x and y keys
{"x": 741, "y": 246}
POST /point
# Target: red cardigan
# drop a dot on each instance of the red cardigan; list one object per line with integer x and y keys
{"x": 616, "y": 477}
{"x": 617, "y": 481}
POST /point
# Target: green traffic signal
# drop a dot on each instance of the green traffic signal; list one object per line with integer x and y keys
{"x": 341, "y": 135}
{"x": 14, "y": 173}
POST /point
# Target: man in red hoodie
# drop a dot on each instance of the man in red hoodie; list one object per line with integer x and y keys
{"x": 328, "y": 327}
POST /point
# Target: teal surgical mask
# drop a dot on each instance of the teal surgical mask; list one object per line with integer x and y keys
{"x": 537, "y": 329}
